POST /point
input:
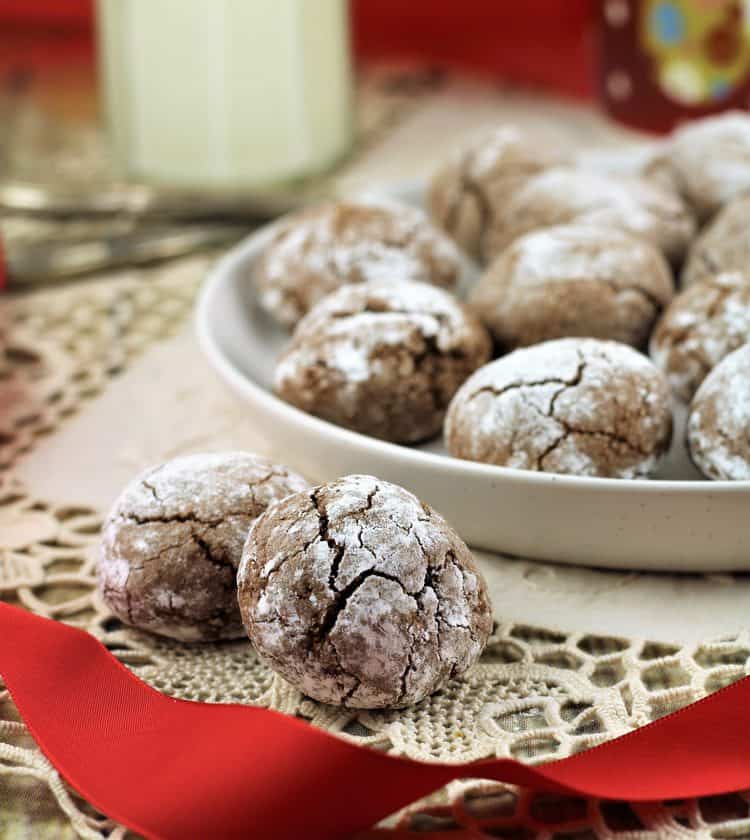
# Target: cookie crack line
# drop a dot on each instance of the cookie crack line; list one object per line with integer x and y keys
{"x": 323, "y": 535}
{"x": 209, "y": 555}
{"x": 180, "y": 518}
{"x": 150, "y": 487}
{"x": 538, "y": 383}
{"x": 407, "y": 670}
{"x": 613, "y": 436}
{"x": 341, "y": 599}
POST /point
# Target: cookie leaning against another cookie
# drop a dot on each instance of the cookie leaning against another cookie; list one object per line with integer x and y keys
{"x": 467, "y": 192}
{"x": 383, "y": 359}
{"x": 633, "y": 205}
{"x": 172, "y": 543}
{"x": 360, "y": 595}
{"x": 718, "y": 430}
{"x": 322, "y": 248}
{"x": 574, "y": 280}
{"x": 702, "y": 325}
{"x": 577, "y": 405}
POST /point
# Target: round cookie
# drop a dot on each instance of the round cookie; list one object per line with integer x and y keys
{"x": 704, "y": 324}
{"x": 320, "y": 249}
{"x": 575, "y": 280}
{"x": 718, "y": 429}
{"x": 710, "y": 160}
{"x": 360, "y": 595}
{"x": 383, "y": 359}
{"x": 724, "y": 245}
{"x": 467, "y": 192}
{"x": 576, "y": 405}
{"x": 564, "y": 196}
{"x": 173, "y": 541}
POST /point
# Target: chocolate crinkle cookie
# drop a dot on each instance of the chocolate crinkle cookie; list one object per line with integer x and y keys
{"x": 703, "y": 325}
{"x": 561, "y": 196}
{"x": 724, "y": 245}
{"x": 718, "y": 430}
{"x": 709, "y": 160}
{"x": 467, "y": 193}
{"x": 360, "y": 595}
{"x": 383, "y": 359}
{"x": 173, "y": 541}
{"x": 576, "y": 406}
{"x": 319, "y": 249}
{"x": 575, "y": 280}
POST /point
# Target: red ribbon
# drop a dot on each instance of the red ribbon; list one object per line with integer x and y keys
{"x": 174, "y": 769}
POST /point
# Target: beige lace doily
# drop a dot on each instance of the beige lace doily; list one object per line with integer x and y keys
{"x": 537, "y": 693}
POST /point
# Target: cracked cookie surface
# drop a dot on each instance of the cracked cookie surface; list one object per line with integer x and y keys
{"x": 360, "y": 595}
{"x": 320, "y": 249}
{"x": 468, "y": 191}
{"x": 383, "y": 359}
{"x": 574, "y": 280}
{"x": 718, "y": 429}
{"x": 634, "y": 205}
{"x": 173, "y": 541}
{"x": 704, "y": 324}
{"x": 576, "y": 406}
{"x": 724, "y": 245}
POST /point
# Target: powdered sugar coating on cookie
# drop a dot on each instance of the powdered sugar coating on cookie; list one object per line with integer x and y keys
{"x": 723, "y": 245}
{"x": 575, "y": 406}
{"x": 719, "y": 421}
{"x": 383, "y": 359}
{"x": 360, "y": 595}
{"x": 173, "y": 540}
{"x": 320, "y": 249}
{"x": 704, "y": 324}
{"x": 574, "y": 280}
{"x": 561, "y": 196}
{"x": 710, "y": 160}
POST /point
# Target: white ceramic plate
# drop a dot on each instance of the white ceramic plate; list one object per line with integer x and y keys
{"x": 675, "y": 522}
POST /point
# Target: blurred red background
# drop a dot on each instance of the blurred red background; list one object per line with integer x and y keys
{"x": 591, "y": 49}
{"x": 541, "y": 42}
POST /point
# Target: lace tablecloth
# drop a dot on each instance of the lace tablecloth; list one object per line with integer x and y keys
{"x": 101, "y": 378}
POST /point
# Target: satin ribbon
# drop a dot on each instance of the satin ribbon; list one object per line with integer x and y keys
{"x": 173, "y": 769}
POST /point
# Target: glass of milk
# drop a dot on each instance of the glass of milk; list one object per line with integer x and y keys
{"x": 225, "y": 93}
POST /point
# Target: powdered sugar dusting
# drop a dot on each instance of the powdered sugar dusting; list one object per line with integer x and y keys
{"x": 703, "y": 324}
{"x": 635, "y": 205}
{"x": 580, "y": 252}
{"x": 319, "y": 250}
{"x": 493, "y": 152}
{"x": 205, "y": 486}
{"x": 353, "y": 331}
{"x": 719, "y": 421}
{"x": 578, "y": 406}
{"x": 377, "y": 605}
{"x": 722, "y": 246}
{"x": 174, "y": 538}
{"x": 712, "y": 159}
{"x": 368, "y": 342}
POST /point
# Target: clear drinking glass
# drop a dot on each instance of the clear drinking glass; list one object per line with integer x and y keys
{"x": 225, "y": 93}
